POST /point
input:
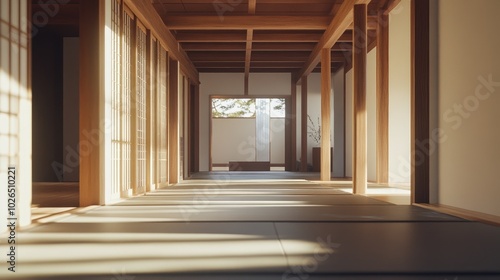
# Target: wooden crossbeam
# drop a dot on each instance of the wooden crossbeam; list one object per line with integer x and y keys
{"x": 336, "y": 28}
{"x": 202, "y": 22}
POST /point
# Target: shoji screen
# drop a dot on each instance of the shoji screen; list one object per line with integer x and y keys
{"x": 126, "y": 114}
{"x": 140, "y": 110}
{"x": 15, "y": 106}
{"x": 116, "y": 105}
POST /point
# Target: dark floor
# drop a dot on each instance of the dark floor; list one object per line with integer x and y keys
{"x": 242, "y": 228}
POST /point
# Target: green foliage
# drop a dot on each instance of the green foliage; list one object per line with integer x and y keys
{"x": 233, "y": 108}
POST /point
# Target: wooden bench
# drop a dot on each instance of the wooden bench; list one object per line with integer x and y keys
{"x": 249, "y": 166}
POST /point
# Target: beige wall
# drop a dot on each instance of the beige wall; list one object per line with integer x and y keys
{"x": 399, "y": 93}
{"x": 468, "y": 104}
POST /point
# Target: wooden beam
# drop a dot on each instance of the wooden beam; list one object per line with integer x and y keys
{"x": 196, "y": 128}
{"x": 252, "y": 5}
{"x": 391, "y": 4}
{"x": 173, "y": 122}
{"x": 335, "y": 29}
{"x": 91, "y": 46}
{"x": 147, "y": 14}
{"x": 371, "y": 24}
{"x": 383, "y": 100}
{"x": 217, "y": 46}
{"x": 248, "y": 59}
{"x": 359, "y": 138}
{"x": 303, "y": 125}
{"x": 326, "y": 88}
{"x": 203, "y": 22}
{"x": 420, "y": 158}
{"x": 239, "y": 36}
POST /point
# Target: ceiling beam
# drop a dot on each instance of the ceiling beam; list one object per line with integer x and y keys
{"x": 391, "y": 4}
{"x": 213, "y": 46}
{"x": 338, "y": 25}
{"x": 248, "y": 55}
{"x": 209, "y": 36}
{"x": 201, "y": 22}
{"x": 248, "y": 58}
{"x": 268, "y": 36}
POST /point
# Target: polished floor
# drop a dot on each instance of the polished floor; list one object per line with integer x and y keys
{"x": 239, "y": 227}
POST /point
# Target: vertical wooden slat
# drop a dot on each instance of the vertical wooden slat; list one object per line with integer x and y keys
{"x": 359, "y": 138}
{"x": 173, "y": 122}
{"x": 383, "y": 99}
{"x": 150, "y": 61}
{"x": 326, "y": 88}
{"x": 420, "y": 159}
{"x": 90, "y": 89}
{"x": 303, "y": 125}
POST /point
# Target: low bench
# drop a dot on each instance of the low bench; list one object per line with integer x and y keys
{"x": 249, "y": 166}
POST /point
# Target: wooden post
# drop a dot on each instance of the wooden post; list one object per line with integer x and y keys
{"x": 90, "y": 91}
{"x": 383, "y": 99}
{"x": 173, "y": 122}
{"x": 326, "y": 88}
{"x": 420, "y": 159}
{"x": 303, "y": 125}
{"x": 293, "y": 123}
{"x": 359, "y": 119}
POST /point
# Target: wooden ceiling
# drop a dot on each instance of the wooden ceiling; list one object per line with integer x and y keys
{"x": 258, "y": 35}
{"x": 248, "y": 35}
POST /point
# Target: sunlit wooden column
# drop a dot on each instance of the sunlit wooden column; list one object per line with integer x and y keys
{"x": 90, "y": 91}
{"x": 303, "y": 125}
{"x": 326, "y": 89}
{"x": 173, "y": 122}
{"x": 383, "y": 98}
{"x": 359, "y": 138}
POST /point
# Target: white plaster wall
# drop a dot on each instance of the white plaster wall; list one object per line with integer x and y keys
{"x": 234, "y": 140}
{"x": 269, "y": 84}
{"x": 399, "y": 93}
{"x": 348, "y": 123}
{"x": 469, "y": 102}
{"x": 338, "y": 124}
{"x": 277, "y": 135}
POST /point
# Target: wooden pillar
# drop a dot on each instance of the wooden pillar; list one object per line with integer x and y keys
{"x": 173, "y": 122}
{"x": 303, "y": 125}
{"x": 326, "y": 89}
{"x": 420, "y": 159}
{"x": 292, "y": 117}
{"x": 90, "y": 91}
{"x": 383, "y": 98}
{"x": 359, "y": 119}
{"x": 195, "y": 128}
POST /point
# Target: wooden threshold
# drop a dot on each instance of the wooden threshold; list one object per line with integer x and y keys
{"x": 462, "y": 213}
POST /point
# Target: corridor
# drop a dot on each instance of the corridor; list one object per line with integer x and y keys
{"x": 236, "y": 227}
